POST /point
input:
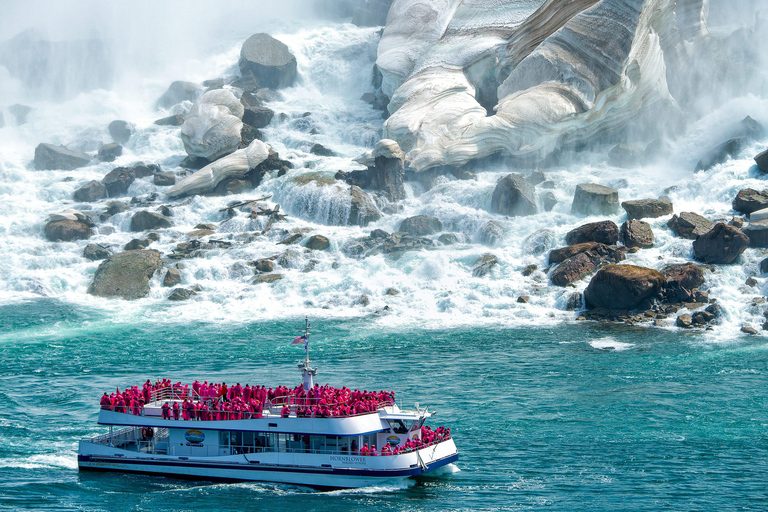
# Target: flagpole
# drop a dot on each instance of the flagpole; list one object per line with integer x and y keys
{"x": 307, "y": 371}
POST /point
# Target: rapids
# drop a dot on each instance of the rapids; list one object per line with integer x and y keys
{"x": 335, "y": 61}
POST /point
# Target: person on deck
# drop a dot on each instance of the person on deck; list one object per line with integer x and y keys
{"x": 285, "y": 412}
{"x": 166, "y": 411}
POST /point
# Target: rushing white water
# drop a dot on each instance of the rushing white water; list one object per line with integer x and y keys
{"x": 436, "y": 287}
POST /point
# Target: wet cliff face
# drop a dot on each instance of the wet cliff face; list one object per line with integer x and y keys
{"x": 522, "y": 79}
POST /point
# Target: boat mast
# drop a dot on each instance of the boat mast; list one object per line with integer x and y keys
{"x": 307, "y": 371}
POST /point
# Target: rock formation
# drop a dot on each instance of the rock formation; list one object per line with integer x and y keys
{"x": 212, "y": 127}
{"x": 623, "y": 287}
{"x": 468, "y": 79}
{"x": 269, "y": 61}
{"x": 125, "y": 275}
{"x": 513, "y": 196}
{"x": 48, "y": 156}
{"x": 231, "y": 166}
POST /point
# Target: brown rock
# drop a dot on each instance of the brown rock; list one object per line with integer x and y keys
{"x": 722, "y": 244}
{"x": 172, "y": 277}
{"x": 647, "y": 208}
{"x": 685, "y": 321}
{"x": 574, "y": 268}
{"x": 749, "y": 200}
{"x": 125, "y": 274}
{"x": 318, "y": 243}
{"x": 623, "y": 287}
{"x": 591, "y": 199}
{"x": 67, "y": 230}
{"x": 605, "y": 232}
{"x": 636, "y": 233}
{"x": 689, "y": 225}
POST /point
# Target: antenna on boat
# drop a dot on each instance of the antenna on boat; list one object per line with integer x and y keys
{"x": 307, "y": 371}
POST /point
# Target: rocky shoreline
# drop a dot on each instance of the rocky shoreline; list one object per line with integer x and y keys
{"x": 221, "y": 124}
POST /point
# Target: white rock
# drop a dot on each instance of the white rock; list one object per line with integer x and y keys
{"x": 212, "y": 127}
{"x": 387, "y": 148}
{"x": 68, "y": 214}
{"x": 759, "y": 215}
{"x": 235, "y": 165}
{"x": 482, "y": 77}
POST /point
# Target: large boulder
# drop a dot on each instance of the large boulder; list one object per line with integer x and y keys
{"x": 745, "y": 132}
{"x": 121, "y": 131}
{"x": 687, "y": 275}
{"x": 145, "y": 220}
{"x": 613, "y": 253}
{"x": 96, "y": 252}
{"x": 606, "y": 232}
{"x": 213, "y": 126}
{"x": 109, "y": 152}
{"x": 67, "y": 230}
{"x": 48, "y": 156}
{"x": 255, "y": 114}
{"x": 761, "y": 159}
{"x": 623, "y": 287}
{"x": 749, "y": 200}
{"x": 318, "y": 243}
{"x": 591, "y": 199}
{"x": 682, "y": 281}
{"x": 647, "y": 208}
{"x": 421, "y": 225}
{"x": 721, "y": 153}
{"x": 636, "y": 233}
{"x": 514, "y": 195}
{"x": 177, "y": 92}
{"x": 689, "y": 225}
{"x": 574, "y": 268}
{"x": 126, "y": 274}
{"x": 118, "y": 180}
{"x": 363, "y": 210}
{"x": 721, "y": 244}
{"x": 757, "y": 232}
{"x": 234, "y": 166}
{"x": 385, "y": 170}
{"x": 269, "y": 61}
{"x": 91, "y": 191}
{"x": 577, "y": 261}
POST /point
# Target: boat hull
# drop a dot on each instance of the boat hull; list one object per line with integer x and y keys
{"x": 380, "y": 470}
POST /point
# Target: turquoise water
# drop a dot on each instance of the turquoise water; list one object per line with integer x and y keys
{"x": 573, "y": 417}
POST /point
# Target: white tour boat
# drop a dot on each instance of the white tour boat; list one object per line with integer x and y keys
{"x": 310, "y": 435}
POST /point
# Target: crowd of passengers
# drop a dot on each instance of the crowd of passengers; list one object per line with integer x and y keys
{"x": 428, "y": 437}
{"x": 208, "y": 402}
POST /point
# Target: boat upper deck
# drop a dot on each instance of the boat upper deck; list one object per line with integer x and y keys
{"x": 218, "y": 402}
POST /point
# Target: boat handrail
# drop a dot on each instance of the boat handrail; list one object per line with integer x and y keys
{"x": 271, "y": 409}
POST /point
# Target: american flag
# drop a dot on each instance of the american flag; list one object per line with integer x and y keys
{"x": 299, "y": 339}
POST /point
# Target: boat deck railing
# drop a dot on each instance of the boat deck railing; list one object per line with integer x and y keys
{"x": 271, "y": 408}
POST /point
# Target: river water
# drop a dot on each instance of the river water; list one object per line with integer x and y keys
{"x": 561, "y": 418}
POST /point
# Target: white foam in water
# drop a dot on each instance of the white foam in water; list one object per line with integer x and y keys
{"x": 436, "y": 287}
{"x": 609, "y": 343}
{"x": 42, "y": 461}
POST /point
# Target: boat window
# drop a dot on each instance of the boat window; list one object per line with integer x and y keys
{"x": 223, "y": 438}
{"x": 398, "y": 426}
